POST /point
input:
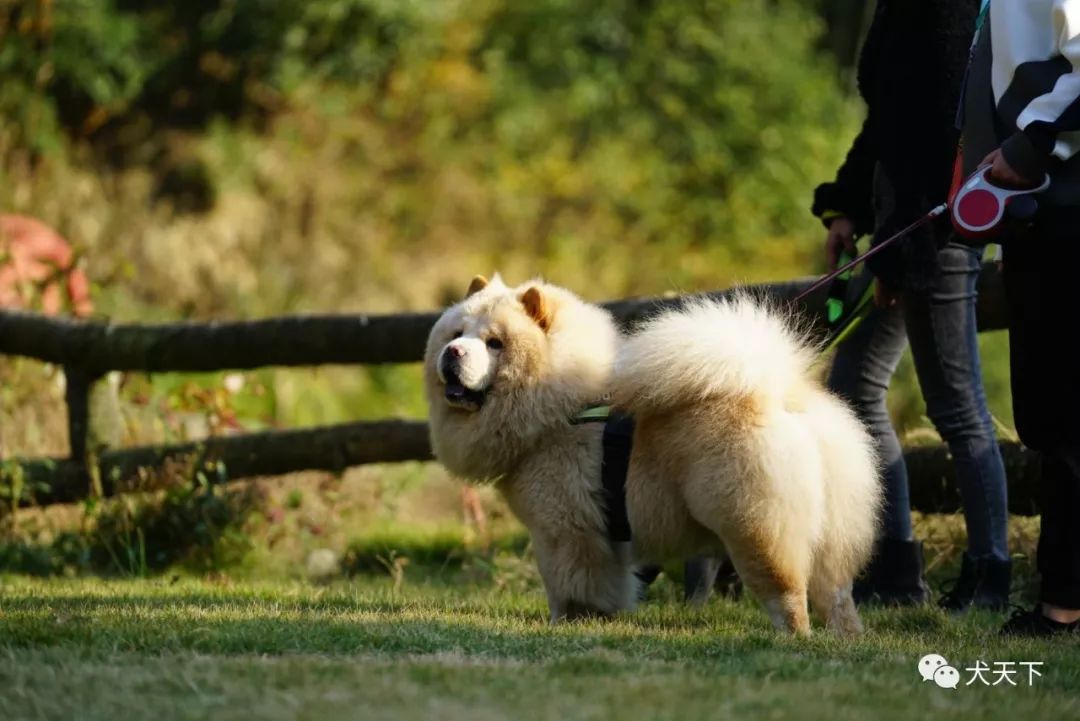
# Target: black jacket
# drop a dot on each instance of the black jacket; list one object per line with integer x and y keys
{"x": 910, "y": 73}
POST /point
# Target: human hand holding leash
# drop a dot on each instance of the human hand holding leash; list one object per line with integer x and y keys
{"x": 840, "y": 242}
{"x": 1003, "y": 175}
{"x": 840, "y": 238}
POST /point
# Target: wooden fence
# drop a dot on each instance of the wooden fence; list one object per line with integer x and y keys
{"x": 88, "y": 349}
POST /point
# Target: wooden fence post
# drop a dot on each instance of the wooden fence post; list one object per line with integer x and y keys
{"x": 78, "y": 383}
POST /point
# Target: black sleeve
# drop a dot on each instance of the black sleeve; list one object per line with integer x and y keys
{"x": 922, "y": 119}
{"x": 927, "y": 96}
{"x": 851, "y": 192}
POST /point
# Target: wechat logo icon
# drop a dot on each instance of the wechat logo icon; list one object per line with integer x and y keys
{"x": 934, "y": 667}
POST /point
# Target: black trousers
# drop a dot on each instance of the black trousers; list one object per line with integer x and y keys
{"x": 1042, "y": 284}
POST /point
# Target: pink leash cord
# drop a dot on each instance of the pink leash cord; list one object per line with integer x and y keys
{"x": 828, "y": 277}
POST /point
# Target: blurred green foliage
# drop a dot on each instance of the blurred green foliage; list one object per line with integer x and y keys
{"x": 232, "y": 158}
{"x": 685, "y": 120}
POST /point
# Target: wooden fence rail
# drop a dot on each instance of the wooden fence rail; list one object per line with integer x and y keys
{"x": 328, "y": 448}
{"x": 97, "y": 347}
{"x": 335, "y": 448}
{"x": 88, "y": 349}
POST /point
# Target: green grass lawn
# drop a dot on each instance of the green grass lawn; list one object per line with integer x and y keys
{"x": 361, "y": 650}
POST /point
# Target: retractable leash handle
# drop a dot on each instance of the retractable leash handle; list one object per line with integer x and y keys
{"x": 979, "y": 208}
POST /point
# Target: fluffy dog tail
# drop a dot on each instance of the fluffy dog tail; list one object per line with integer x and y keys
{"x": 740, "y": 348}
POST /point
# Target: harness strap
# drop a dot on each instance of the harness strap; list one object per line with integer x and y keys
{"x": 618, "y": 442}
{"x": 593, "y": 414}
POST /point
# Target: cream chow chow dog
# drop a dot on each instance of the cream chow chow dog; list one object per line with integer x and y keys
{"x": 736, "y": 450}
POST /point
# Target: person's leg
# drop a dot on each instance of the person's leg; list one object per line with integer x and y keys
{"x": 1043, "y": 308}
{"x": 1059, "y": 541}
{"x": 861, "y": 371}
{"x": 944, "y": 345}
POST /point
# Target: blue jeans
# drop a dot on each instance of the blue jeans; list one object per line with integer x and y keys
{"x": 940, "y": 326}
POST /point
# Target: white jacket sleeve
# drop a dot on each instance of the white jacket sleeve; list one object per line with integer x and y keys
{"x": 1050, "y": 124}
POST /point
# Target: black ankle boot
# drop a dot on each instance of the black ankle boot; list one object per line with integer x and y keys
{"x": 894, "y": 576}
{"x": 1035, "y": 624}
{"x": 983, "y": 583}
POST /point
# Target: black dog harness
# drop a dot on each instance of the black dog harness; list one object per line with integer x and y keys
{"x": 615, "y": 464}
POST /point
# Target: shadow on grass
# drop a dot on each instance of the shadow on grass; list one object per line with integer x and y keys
{"x": 196, "y": 525}
{"x": 306, "y": 620}
{"x": 440, "y": 549}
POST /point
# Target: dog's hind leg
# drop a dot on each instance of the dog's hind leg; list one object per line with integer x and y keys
{"x": 787, "y": 611}
{"x": 777, "y": 582}
{"x": 772, "y": 561}
{"x": 833, "y": 604}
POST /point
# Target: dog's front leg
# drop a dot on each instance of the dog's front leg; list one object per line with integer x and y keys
{"x": 557, "y": 606}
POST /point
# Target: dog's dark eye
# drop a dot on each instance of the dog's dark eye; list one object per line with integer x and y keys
{"x": 494, "y": 344}
{"x": 458, "y": 335}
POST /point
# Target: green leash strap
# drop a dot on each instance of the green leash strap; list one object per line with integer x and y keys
{"x": 862, "y": 309}
{"x": 592, "y": 414}
{"x": 834, "y": 303}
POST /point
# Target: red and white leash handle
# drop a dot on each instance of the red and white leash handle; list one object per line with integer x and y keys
{"x": 978, "y": 206}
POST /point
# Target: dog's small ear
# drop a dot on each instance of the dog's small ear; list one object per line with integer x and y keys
{"x": 537, "y": 306}
{"x": 476, "y": 285}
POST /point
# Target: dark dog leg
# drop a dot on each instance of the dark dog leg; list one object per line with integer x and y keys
{"x": 704, "y": 574}
{"x": 700, "y": 573}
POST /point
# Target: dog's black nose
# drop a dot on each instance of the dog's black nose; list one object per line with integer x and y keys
{"x": 448, "y": 365}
